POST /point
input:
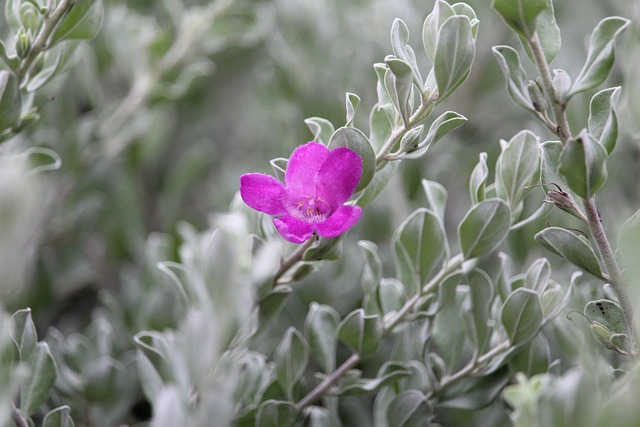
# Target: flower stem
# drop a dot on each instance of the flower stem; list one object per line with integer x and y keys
{"x": 617, "y": 283}
{"x": 293, "y": 259}
{"x": 562, "y": 124}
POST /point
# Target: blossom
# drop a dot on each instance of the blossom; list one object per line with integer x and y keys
{"x": 317, "y": 184}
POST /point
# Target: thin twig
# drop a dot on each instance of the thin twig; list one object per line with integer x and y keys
{"x": 17, "y": 417}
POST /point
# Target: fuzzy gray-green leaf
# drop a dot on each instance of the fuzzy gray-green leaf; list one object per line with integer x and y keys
{"x": 572, "y": 246}
{"x": 484, "y": 227}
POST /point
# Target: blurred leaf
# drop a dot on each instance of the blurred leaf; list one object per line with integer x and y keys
{"x": 361, "y": 333}
{"x": 83, "y": 21}
{"x": 270, "y": 305}
{"x": 274, "y": 413}
{"x": 522, "y": 315}
{"x": 389, "y": 373}
{"x": 357, "y": 141}
{"x": 583, "y": 165}
{"x": 320, "y": 329}
{"x": 58, "y": 417}
{"x": 441, "y": 126}
{"x": 391, "y": 295}
{"x": 42, "y": 375}
{"x": 607, "y": 313}
{"x": 515, "y": 167}
{"x": 533, "y": 357}
{"x": 409, "y": 409}
{"x": 481, "y": 296}
{"x": 316, "y": 416}
{"x": 291, "y": 357}
{"x": 378, "y": 183}
{"x": 352, "y": 102}
{"x": 47, "y": 72}
{"x": 322, "y": 129}
{"x": 484, "y": 227}
{"x": 603, "y": 120}
{"x": 23, "y": 332}
{"x": 455, "y": 51}
{"x": 419, "y": 248}
{"x": 10, "y": 101}
{"x": 478, "y": 180}
{"x": 12, "y": 62}
{"x": 436, "y": 196}
{"x": 372, "y": 272}
{"x": 150, "y": 380}
{"x": 101, "y": 376}
{"x": 475, "y": 392}
{"x": 325, "y": 249}
{"x": 381, "y": 126}
{"x": 520, "y": 15}
{"x": 628, "y": 244}
{"x": 170, "y": 410}
{"x": 601, "y": 54}
{"x": 509, "y": 62}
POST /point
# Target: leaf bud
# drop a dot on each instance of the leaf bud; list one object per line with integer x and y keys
{"x": 561, "y": 85}
{"x": 30, "y": 16}
{"x": 23, "y": 43}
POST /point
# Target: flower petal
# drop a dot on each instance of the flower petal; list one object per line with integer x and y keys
{"x": 262, "y": 192}
{"x": 342, "y": 219}
{"x": 304, "y": 163}
{"x": 292, "y": 229}
{"x": 339, "y": 175}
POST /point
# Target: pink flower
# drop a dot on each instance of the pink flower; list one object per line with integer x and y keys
{"x": 317, "y": 184}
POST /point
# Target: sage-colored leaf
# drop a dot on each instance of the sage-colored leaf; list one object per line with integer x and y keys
{"x": 352, "y": 101}
{"x": 150, "y": 380}
{"x": 419, "y": 248}
{"x": 410, "y": 408}
{"x": 101, "y": 375}
{"x": 402, "y": 49}
{"x": 475, "y": 393}
{"x": 601, "y": 54}
{"x": 538, "y": 275}
{"x": 608, "y": 313}
{"x": 10, "y": 101}
{"x": 58, "y": 417}
{"x": 431, "y": 26}
{"x": 23, "y": 332}
{"x": 270, "y": 305}
{"x": 354, "y": 139}
{"x": 274, "y": 413}
{"x": 603, "y": 119}
{"x": 481, "y": 296}
{"x": 445, "y": 123}
{"x": 47, "y": 72}
{"x": 520, "y": 15}
{"x": 515, "y": 75}
{"x": 410, "y": 142}
{"x": 391, "y": 295}
{"x": 380, "y": 123}
{"x": 320, "y": 329}
{"x": 360, "y": 333}
{"x": 42, "y": 375}
{"x": 389, "y": 373}
{"x": 484, "y": 227}
{"x": 454, "y": 55}
{"x": 548, "y": 34}
{"x": 572, "y": 246}
{"x": 478, "y": 180}
{"x": 372, "y": 272}
{"x": 82, "y": 22}
{"x": 436, "y": 196}
{"x": 399, "y": 81}
{"x": 11, "y": 61}
{"x": 628, "y": 244}
{"x": 320, "y": 128}
{"x": 377, "y": 184}
{"x": 515, "y": 167}
{"x": 316, "y": 416}
{"x": 533, "y": 358}
{"x": 522, "y": 315}
{"x": 291, "y": 357}
{"x": 583, "y": 165}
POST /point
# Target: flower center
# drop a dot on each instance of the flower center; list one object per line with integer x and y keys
{"x": 312, "y": 209}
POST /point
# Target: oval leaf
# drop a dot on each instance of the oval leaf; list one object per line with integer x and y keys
{"x": 83, "y": 21}
{"x": 583, "y": 165}
{"x": 521, "y": 315}
{"x": 42, "y": 376}
{"x": 509, "y": 62}
{"x": 361, "y": 333}
{"x": 572, "y": 246}
{"x": 484, "y": 227}
{"x": 603, "y": 120}
{"x": 455, "y": 51}
{"x": 291, "y": 357}
{"x": 320, "y": 329}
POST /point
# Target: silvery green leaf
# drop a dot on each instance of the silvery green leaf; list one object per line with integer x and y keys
{"x": 538, "y": 275}
{"x": 389, "y": 373}
{"x": 550, "y": 166}
{"x": 372, "y": 272}
{"x": 390, "y": 295}
{"x": 554, "y": 298}
{"x": 399, "y": 84}
{"x": 357, "y": 141}
{"x": 478, "y": 180}
{"x": 481, "y": 296}
{"x": 317, "y": 416}
{"x": 608, "y": 313}
{"x": 291, "y": 357}
{"x": 548, "y": 34}
{"x": 279, "y": 167}
{"x": 58, "y": 417}
{"x": 401, "y": 48}
{"x": 601, "y": 54}
{"x": 322, "y": 129}
{"x": 520, "y": 15}
{"x": 561, "y": 85}
{"x": 419, "y": 247}
{"x": 82, "y": 21}
{"x": 42, "y": 375}
{"x": 23, "y": 332}
{"x": 572, "y": 246}
{"x": 516, "y": 166}
{"x": 11, "y": 61}
{"x": 320, "y": 329}
{"x": 533, "y": 358}
{"x": 10, "y": 101}
{"x": 101, "y": 377}
{"x": 603, "y": 119}
{"x": 380, "y": 123}
{"x": 454, "y": 55}
{"x": 441, "y": 126}
{"x": 360, "y": 333}
{"x": 150, "y": 380}
{"x": 436, "y": 196}
{"x": 48, "y": 72}
{"x": 476, "y": 392}
{"x": 384, "y": 97}
{"x": 509, "y": 62}
{"x": 628, "y": 244}
{"x": 464, "y": 9}
{"x": 583, "y": 165}
{"x": 441, "y": 12}
{"x": 410, "y": 408}
{"x": 274, "y": 413}
{"x": 484, "y": 227}
{"x": 170, "y": 408}
{"x": 410, "y": 142}
{"x": 352, "y": 101}
{"x": 377, "y": 184}
{"x": 522, "y": 315}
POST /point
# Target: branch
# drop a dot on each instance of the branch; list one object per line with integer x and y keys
{"x": 293, "y": 259}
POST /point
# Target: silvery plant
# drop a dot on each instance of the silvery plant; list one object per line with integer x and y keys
{"x": 381, "y": 270}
